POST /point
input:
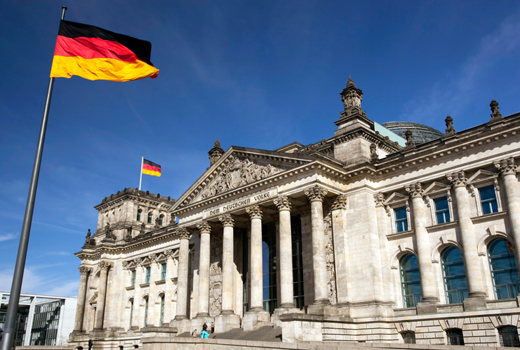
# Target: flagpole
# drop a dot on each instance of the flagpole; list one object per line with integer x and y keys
{"x": 141, "y": 178}
{"x": 14, "y": 296}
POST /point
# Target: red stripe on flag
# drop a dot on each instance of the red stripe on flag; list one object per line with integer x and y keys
{"x": 151, "y": 167}
{"x": 93, "y": 48}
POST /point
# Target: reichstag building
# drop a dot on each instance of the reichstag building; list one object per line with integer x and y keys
{"x": 393, "y": 233}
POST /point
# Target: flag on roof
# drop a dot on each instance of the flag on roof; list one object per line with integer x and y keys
{"x": 151, "y": 168}
{"x": 98, "y": 54}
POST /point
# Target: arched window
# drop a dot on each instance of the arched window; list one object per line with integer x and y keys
{"x": 150, "y": 217}
{"x": 455, "y": 336}
{"x": 139, "y": 211}
{"x": 509, "y": 336}
{"x": 454, "y": 275}
{"x": 160, "y": 220}
{"x": 410, "y": 280}
{"x": 503, "y": 269}
{"x": 408, "y": 337}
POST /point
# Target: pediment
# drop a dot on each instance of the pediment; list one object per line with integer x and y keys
{"x": 436, "y": 187}
{"x": 482, "y": 176}
{"x": 238, "y": 169}
{"x": 395, "y": 197}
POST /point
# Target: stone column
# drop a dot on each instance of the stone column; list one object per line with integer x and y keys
{"x": 316, "y": 195}
{"x": 227, "y": 264}
{"x": 256, "y": 258}
{"x": 286, "y": 255}
{"x": 469, "y": 242}
{"x": 102, "y": 288}
{"x": 339, "y": 230}
{"x": 428, "y": 281}
{"x": 508, "y": 171}
{"x": 182, "y": 274}
{"x": 204, "y": 257}
{"x": 80, "y": 309}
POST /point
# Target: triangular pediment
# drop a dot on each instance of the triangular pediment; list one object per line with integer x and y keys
{"x": 436, "y": 187}
{"x": 238, "y": 168}
{"x": 481, "y": 176}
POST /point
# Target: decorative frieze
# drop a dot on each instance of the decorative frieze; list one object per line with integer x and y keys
{"x": 315, "y": 193}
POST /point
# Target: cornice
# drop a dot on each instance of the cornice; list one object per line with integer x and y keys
{"x": 133, "y": 193}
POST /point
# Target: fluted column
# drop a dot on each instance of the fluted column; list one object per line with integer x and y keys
{"x": 102, "y": 288}
{"x": 508, "y": 171}
{"x": 80, "y": 309}
{"x": 255, "y": 214}
{"x": 227, "y": 264}
{"x": 339, "y": 229}
{"x": 182, "y": 274}
{"x": 316, "y": 195}
{"x": 204, "y": 257}
{"x": 286, "y": 254}
{"x": 467, "y": 233}
{"x": 428, "y": 282}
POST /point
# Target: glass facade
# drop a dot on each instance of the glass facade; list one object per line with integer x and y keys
{"x": 488, "y": 200}
{"x": 45, "y": 324}
{"x": 401, "y": 219}
{"x": 454, "y": 273}
{"x": 420, "y": 133}
{"x": 410, "y": 280}
{"x": 504, "y": 271}
{"x": 442, "y": 211}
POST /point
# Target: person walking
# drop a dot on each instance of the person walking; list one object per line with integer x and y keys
{"x": 90, "y": 344}
{"x": 204, "y": 334}
{"x": 194, "y": 333}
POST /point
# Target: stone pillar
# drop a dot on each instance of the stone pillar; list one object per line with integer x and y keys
{"x": 204, "y": 257}
{"x": 469, "y": 244}
{"x": 428, "y": 281}
{"x": 316, "y": 195}
{"x": 102, "y": 288}
{"x": 227, "y": 264}
{"x": 182, "y": 274}
{"x": 508, "y": 171}
{"x": 339, "y": 231}
{"x": 286, "y": 255}
{"x": 256, "y": 316}
{"x": 80, "y": 309}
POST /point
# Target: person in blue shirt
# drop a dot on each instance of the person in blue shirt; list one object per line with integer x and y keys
{"x": 204, "y": 334}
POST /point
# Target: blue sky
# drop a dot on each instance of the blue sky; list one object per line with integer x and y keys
{"x": 258, "y": 74}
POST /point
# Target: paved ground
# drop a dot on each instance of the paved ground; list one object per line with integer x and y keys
{"x": 267, "y": 333}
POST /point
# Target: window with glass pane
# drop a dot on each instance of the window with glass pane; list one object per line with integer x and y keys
{"x": 504, "y": 271}
{"x": 139, "y": 214}
{"x": 442, "y": 211}
{"x": 148, "y": 272}
{"x": 163, "y": 271}
{"x": 488, "y": 199}
{"x": 149, "y": 217}
{"x": 160, "y": 220}
{"x": 509, "y": 336}
{"x": 455, "y": 282}
{"x": 132, "y": 278}
{"x": 146, "y": 312}
{"x": 161, "y": 320}
{"x": 455, "y": 336}
{"x": 410, "y": 280}
{"x": 297, "y": 261}
{"x": 401, "y": 219}
{"x": 269, "y": 267}
{"x": 408, "y": 337}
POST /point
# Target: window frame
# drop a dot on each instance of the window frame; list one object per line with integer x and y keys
{"x": 139, "y": 212}
{"x": 445, "y": 278}
{"x": 149, "y": 218}
{"x": 514, "y": 341}
{"x": 148, "y": 274}
{"x": 164, "y": 269}
{"x": 133, "y": 275}
{"x": 494, "y": 200}
{"x": 456, "y": 333}
{"x": 448, "y": 210}
{"x": 416, "y": 298}
{"x": 406, "y": 220}
{"x": 510, "y": 287}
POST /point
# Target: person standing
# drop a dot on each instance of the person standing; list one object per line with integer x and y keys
{"x": 204, "y": 334}
{"x": 212, "y": 328}
{"x": 194, "y": 333}
{"x": 90, "y": 344}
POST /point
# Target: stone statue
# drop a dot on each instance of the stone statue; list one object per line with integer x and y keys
{"x": 495, "y": 115}
{"x": 449, "y": 126}
{"x": 373, "y": 151}
{"x": 88, "y": 239}
{"x": 409, "y": 140}
{"x": 108, "y": 232}
{"x": 143, "y": 227}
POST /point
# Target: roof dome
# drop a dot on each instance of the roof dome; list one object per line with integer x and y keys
{"x": 420, "y": 133}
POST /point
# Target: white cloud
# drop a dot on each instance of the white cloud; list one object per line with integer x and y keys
{"x": 8, "y": 237}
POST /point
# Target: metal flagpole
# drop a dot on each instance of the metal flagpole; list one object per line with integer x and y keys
{"x": 14, "y": 297}
{"x": 141, "y": 178}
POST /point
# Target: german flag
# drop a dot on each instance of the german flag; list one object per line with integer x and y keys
{"x": 98, "y": 54}
{"x": 150, "y": 168}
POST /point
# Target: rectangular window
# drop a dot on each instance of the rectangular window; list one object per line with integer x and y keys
{"x": 442, "y": 211}
{"x": 401, "y": 219}
{"x": 146, "y": 312}
{"x": 163, "y": 271}
{"x": 132, "y": 278}
{"x": 131, "y": 312}
{"x": 488, "y": 200}
{"x": 148, "y": 271}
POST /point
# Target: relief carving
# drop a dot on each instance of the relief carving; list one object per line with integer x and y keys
{"x": 238, "y": 173}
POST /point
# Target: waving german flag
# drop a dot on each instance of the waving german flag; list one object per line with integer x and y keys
{"x": 151, "y": 168}
{"x": 98, "y": 54}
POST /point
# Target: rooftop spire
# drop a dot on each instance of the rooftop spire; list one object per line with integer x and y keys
{"x": 215, "y": 153}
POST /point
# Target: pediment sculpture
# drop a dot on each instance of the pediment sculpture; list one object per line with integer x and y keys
{"x": 236, "y": 174}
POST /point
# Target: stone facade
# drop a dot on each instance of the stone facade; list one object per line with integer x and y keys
{"x": 352, "y": 239}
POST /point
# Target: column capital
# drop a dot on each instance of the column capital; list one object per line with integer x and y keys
{"x": 83, "y": 270}
{"x": 168, "y": 253}
{"x": 227, "y": 220}
{"x": 415, "y": 190}
{"x": 204, "y": 227}
{"x": 315, "y": 193}
{"x": 506, "y": 166}
{"x": 457, "y": 179}
{"x": 104, "y": 265}
{"x": 340, "y": 202}
{"x": 283, "y": 203}
{"x": 254, "y": 212}
{"x": 379, "y": 198}
{"x": 183, "y": 233}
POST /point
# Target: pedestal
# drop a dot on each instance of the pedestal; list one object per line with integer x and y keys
{"x": 182, "y": 325}
{"x": 426, "y": 308}
{"x": 256, "y": 319}
{"x": 275, "y": 318}
{"x": 474, "y": 304}
{"x": 224, "y": 323}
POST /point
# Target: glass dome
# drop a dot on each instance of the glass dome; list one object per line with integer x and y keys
{"x": 420, "y": 133}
